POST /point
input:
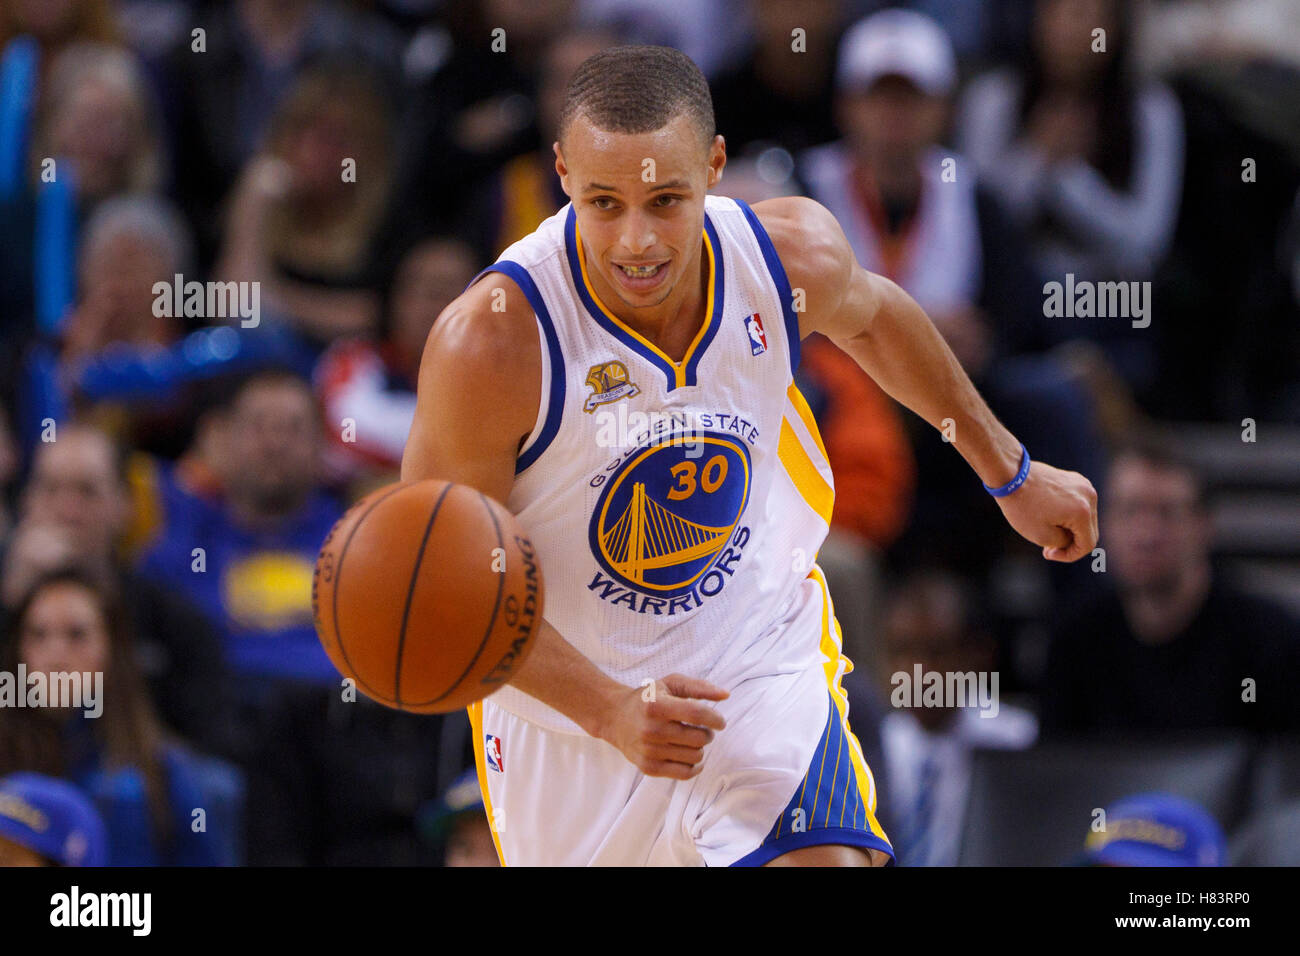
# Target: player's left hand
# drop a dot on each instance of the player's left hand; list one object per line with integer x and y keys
{"x": 1056, "y": 510}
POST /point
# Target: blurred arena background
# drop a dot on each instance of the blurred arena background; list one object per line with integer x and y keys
{"x": 169, "y": 470}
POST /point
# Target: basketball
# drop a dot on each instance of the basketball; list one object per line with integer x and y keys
{"x": 427, "y": 594}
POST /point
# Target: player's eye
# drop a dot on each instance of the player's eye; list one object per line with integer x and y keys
{"x": 603, "y": 203}
{"x": 663, "y": 202}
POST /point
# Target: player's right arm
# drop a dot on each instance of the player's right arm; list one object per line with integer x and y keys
{"x": 479, "y": 391}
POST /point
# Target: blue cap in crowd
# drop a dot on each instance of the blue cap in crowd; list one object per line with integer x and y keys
{"x": 1156, "y": 829}
{"x": 53, "y": 818}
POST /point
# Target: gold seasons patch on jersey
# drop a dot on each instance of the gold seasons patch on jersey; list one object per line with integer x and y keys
{"x": 609, "y": 382}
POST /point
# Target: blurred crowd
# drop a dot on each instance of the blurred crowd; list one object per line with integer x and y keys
{"x": 169, "y": 471}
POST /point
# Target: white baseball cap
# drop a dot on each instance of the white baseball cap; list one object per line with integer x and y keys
{"x": 897, "y": 43}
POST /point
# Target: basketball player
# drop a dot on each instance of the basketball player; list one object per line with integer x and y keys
{"x": 622, "y": 379}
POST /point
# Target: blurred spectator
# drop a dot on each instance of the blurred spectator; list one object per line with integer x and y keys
{"x": 373, "y": 384}
{"x": 331, "y": 781}
{"x": 248, "y": 562}
{"x": 221, "y": 100}
{"x": 47, "y": 822}
{"x": 129, "y": 244}
{"x": 306, "y": 217}
{"x": 74, "y": 508}
{"x": 1232, "y": 346}
{"x": 457, "y": 822}
{"x": 1080, "y": 149}
{"x": 778, "y": 94}
{"x": 1170, "y": 645}
{"x": 915, "y": 213}
{"x": 99, "y": 114}
{"x": 912, "y": 210}
{"x": 934, "y": 624}
{"x": 1156, "y": 829}
{"x": 472, "y": 106}
{"x": 145, "y": 786}
{"x": 1086, "y": 156}
{"x": 97, "y": 123}
{"x": 526, "y": 190}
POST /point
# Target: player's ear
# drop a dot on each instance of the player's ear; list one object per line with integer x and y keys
{"x": 560, "y": 169}
{"x": 717, "y": 159}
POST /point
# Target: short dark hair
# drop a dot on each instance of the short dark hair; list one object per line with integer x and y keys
{"x": 638, "y": 89}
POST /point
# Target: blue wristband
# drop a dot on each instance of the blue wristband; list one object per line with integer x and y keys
{"x": 1015, "y": 482}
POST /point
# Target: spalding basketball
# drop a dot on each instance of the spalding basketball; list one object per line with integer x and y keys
{"x": 427, "y": 594}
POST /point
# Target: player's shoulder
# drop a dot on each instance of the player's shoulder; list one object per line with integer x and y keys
{"x": 808, "y": 239}
{"x": 495, "y": 316}
{"x": 488, "y": 332}
{"x": 792, "y": 216}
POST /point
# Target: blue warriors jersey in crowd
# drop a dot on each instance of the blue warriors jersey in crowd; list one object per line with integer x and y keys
{"x": 255, "y": 586}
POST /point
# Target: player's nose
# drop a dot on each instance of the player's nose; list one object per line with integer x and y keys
{"x": 638, "y": 234}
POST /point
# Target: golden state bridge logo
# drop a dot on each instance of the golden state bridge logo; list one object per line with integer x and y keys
{"x": 609, "y": 382}
{"x": 665, "y": 528}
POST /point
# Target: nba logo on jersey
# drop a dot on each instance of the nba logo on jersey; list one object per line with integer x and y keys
{"x": 757, "y": 337}
{"x": 492, "y": 748}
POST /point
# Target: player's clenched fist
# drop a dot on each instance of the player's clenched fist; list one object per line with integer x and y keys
{"x": 1056, "y": 510}
{"x": 663, "y": 728}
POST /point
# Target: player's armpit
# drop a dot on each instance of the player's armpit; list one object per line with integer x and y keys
{"x": 479, "y": 390}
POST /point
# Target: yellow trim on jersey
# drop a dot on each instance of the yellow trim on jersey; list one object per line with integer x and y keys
{"x": 475, "y": 711}
{"x": 679, "y": 368}
{"x": 831, "y": 645}
{"x": 807, "y": 479}
{"x": 806, "y": 416}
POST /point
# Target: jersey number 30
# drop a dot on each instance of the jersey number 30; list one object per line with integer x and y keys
{"x": 711, "y": 477}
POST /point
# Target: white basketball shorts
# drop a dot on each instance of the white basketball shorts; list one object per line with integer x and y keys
{"x": 786, "y": 772}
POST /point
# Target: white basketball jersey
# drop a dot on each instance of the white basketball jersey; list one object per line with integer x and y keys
{"x": 675, "y": 507}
